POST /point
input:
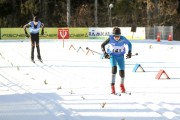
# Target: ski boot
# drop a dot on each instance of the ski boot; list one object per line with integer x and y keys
{"x": 113, "y": 88}
{"x": 122, "y": 88}
{"x": 39, "y": 58}
{"x": 32, "y": 60}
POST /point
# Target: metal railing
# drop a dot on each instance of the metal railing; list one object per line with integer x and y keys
{"x": 163, "y": 31}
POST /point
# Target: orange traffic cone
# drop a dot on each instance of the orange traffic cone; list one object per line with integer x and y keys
{"x": 158, "y": 37}
{"x": 170, "y": 37}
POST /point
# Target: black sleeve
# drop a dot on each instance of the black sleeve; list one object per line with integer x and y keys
{"x": 25, "y": 26}
{"x": 42, "y": 26}
{"x": 104, "y": 44}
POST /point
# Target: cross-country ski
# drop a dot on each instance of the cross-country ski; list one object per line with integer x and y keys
{"x": 120, "y": 93}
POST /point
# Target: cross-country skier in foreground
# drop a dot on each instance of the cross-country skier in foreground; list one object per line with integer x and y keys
{"x": 34, "y": 27}
{"x": 114, "y": 49}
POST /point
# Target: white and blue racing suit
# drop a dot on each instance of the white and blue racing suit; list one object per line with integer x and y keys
{"x": 116, "y": 50}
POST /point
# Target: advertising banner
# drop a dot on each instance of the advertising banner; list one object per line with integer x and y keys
{"x": 12, "y": 33}
{"x": 99, "y": 33}
{"x": 49, "y": 33}
{"x": 103, "y": 33}
{"x": 78, "y": 33}
{"x": 18, "y": 33}
{"x": 74, "y": 33}
{"x": 138, "y": 35}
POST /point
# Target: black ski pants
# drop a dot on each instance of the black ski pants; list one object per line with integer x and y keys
{"x": 35, "y": 42}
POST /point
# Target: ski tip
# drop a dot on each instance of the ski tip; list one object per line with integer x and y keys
{"x": 129, "y": 93}
{"x": 118, "y": 94}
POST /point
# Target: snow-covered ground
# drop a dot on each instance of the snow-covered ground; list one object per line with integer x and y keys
{"x": 74, "y": 84}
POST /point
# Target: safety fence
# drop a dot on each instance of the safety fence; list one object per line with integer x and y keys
{"x": 164, "y": 32}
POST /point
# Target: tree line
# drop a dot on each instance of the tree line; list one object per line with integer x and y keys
{"x": 124, "y": 13}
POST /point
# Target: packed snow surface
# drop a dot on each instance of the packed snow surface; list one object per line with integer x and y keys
{"x": 73, "y": 83}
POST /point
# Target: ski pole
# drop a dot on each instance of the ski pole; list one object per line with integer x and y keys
{"x": 131, "y": 55}
{"x": 102, "y": 54}
{"x": 135, "y": 54}
{"x": 93, "y": 51}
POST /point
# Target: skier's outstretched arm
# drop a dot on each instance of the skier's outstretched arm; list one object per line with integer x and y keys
{"x": 25, "y": 26}
{"x": 42, "y": 26}
{"x": 104, "y": 44}
{"x": 106, "y": 55}
{"x": 129, "y": 48}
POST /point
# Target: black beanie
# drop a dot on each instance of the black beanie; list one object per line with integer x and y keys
{"x": 36, "y": 19}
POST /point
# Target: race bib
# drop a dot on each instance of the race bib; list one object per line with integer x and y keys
{"x": 114, "y": 49}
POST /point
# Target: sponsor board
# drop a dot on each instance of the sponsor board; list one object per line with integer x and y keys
{"x": 78, "y": 33}
{"x": 49, "y": 33}
{"x": 75, "y": 33}
{"x": 138, "y": 35}
{"x": 103, "y": 33}
{"x": 18, "y": 33}
{"x": 12, "y": 33}
{"x": 99, "y": 33}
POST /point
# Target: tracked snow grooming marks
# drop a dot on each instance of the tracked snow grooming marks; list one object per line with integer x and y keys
{"x": 81, "y": 90}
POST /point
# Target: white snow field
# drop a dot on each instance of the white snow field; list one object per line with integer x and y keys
{"x": 74, "y": 84}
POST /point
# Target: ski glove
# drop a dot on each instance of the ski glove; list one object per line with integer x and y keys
{"x": 129, "y": 54}
{"x": 106, "y": 56}
{"x": 42, "y": 32}
{"x": 27, "y": 35}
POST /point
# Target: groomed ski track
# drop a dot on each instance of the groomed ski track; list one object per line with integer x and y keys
{"x": 73, "y": 85}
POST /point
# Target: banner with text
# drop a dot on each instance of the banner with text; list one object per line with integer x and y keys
{"x": 18, "y": 33}
{"x": 99, "y": 33}
{"x": 78, "y": 33}
{"x": 103, "y": 33}
{"x": 75, "y": 33}
{"x": 12, "y": 33}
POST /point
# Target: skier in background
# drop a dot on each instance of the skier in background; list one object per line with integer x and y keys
{"x": 114, "y": 49}
{"x": 34, "y": 27}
